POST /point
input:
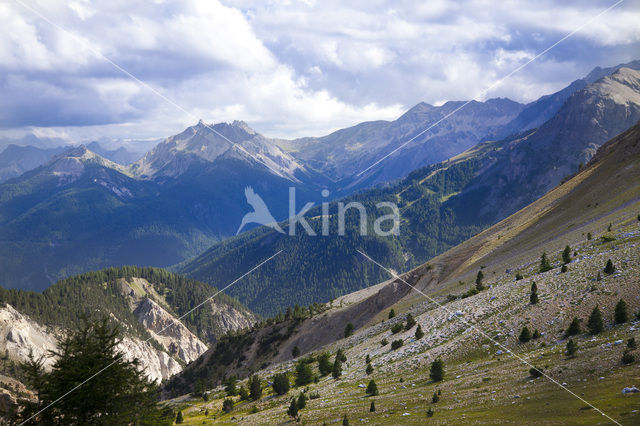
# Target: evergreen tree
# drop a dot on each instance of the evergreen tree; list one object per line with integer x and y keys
{"x": 631, "y": 344}
{"x": 392, "y": 313}
{"x": 369, "y": 369}
{"x": 227, "y": 405}
{"x": 341, "y": 355}
{"x": 119, "y": 394}
{"x": 574, "y": 327}
{"x": 533, "y": 297}
{"x": 564, "y": 269}
{"x": 179, "y": 418}
{"x": 244, "y": 393}
{"x": 620, "y": 315}
{"x": 337, "y": 369}
{"x": 367, "y": 359}
{"x": 566, "y": 255}
{"x": 535, "y": 372}
{"x": 302, "y": 401}
{"x": 345, "y": 420}
{"x": 304, "y": 373}
{"x": 295, "y": 352}
{"x": 372, "y": 407}
{"x": 435, "y": 398}
{"x": 348, "y": 330}
{"x": 545, "y": 265}
{"x": 479, "y": 279}
{"x": 572, "y": 347}
{"x": 436, "y": 372}
{"x": 372, "y": 388}
{"x": 589, "y": 236}
{"x": 397, "y": 344}
{"x": 536, "y": 334}
{"x": 595, "y": 323}
{"x": 609, "y": 268}
{"x": 280, "y": 383}
{"x": 525, "y": 335}
{"x": 231, "y": 388}
{"x": 255, "y": 388}
{"x": 628, "y": 357}
{"x": 324, "y": 364}
{"x": 410, "y": 322}
{"x": 430, "y": 412}
{"x": 293, "y": 409}
{"x": 419, "y": 333}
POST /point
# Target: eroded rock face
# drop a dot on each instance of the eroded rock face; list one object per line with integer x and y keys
{"x": 174, "y": 336}
{"x": 158, "y": 365}
{"x": 20, "y": 335}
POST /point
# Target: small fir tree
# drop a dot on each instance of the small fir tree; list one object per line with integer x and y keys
{"x": 595, "y": 323}
{"x": 525, "y": 335}
{"x": 609, "y": 268}
{"x": 436, "y": 372}
{"x": 572, "y": 347}
{"x": 620, "y": 314}
{"x": 419, "y": 333}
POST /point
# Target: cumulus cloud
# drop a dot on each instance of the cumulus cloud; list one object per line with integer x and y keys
{"x": 289, "y": 68}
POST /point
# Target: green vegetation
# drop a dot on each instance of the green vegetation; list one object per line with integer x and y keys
{"x": 572, "y": 348}
{"x": 392, "y": 313}
{"x": 609, "y": 268}
{"x": 336, "y": 372}
{"x": 397, "y": 344}
{"x": 535, "y": 372}
{"x": 397, "y": 328}
{"x": 419, "y": 333}
{"x": 436, "y": 372}
{"x": 122, "y": 395}
{"x": 372, "y": 407}
{"x": 280, "y": 383}
{"x": 620, "y": 313}
{"x": 324, "y": 364}
{"x": 595, "y": 323}
{"x": 372, "y": 388}
{"x": 369, "y": 369}
{"x": 545, "y": 265}
{"x": 348, "y": 330}
{"x": 293, "y": 409}
{"x": 574, "y": 328}
{"x": 410, "y": 322}
{"x": 304, "y": 373}
{"x": 295, "y": 352}
{"x": 525, "y": 335}
{"x": 628, "y": 357}
{"x": 255, "y": 388}
{"x": 566, "y": 255}
{"x": 533, "y": 297}
{"x": 227, "y": 405}
{"x": 479, "y": 279}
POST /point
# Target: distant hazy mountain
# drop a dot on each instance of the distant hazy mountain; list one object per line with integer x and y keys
{"x": 345, "y": 153}
{"x": 15, "y": 159}
{"x": 120, "y": 155}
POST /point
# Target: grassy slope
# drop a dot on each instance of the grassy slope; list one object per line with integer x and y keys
{"x": 482, "y": 386}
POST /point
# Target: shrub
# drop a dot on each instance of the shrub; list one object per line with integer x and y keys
{"x": 227, "y": 405}
{"x": 436, "y": 372}
{"x": 419, "y": 333}
{"x": 396, "y": 344}
{"x": 519, "y": 276}
{"x": 631, "y": 344}
{"x": 536, "y": 334}
{"x": 372, "y": 407}
{"x": 384, "y": 342}
{"x": 620, "y": 314}
{"x": 628, "y": 357}
{"x": 595, "y": 323}
{"x": 572, "y": 347}
{"x": 435, "y": 398}
{"x": 295, "y": 352}
{"x": 589, "y": 237}
{"x": 535, "y": 372}
{"x": 566, "y": 255}
{"x": 392, "y": 313}
{"x": 609, "y": 268}
{"x": 525, "y": 335}
{"x": 369, "y": 369}
{"x": 564, "y": 269}
{"x": 574, "y": 327}
{"x": 430, "y": 412}
{"x": 348, "y": 330}
{"x": 180, "y": 417}
{"x": 280, "y": 383}
{"x": 372, "y": 388}
{"x": 397, "y": 328}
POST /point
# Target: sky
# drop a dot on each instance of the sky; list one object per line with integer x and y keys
{"x": 84, "y": 70}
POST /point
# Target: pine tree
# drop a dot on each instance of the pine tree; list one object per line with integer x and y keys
{"x": 479, "y": 279}
{"x": 304, "y": 374}
{"x": 631, "y": 344}
{"x": 345, "y": 420}
{"x": 369, "y": 369}
{"x": 410, "y": 322}
{"x": 589, "y": 236}
{"x": 533, "y": 297}
{"x": 255, "y": 388}
{"x": 419, "y": 333}
{"x": 430, "y": 412}
{"x": 324, "y": 364}
{"x": 566, "y": 255}
{"x": 392, "y": 313}
{"x": 179, "y": 418}
{"x": 525, "y": 335}
{"x": 293, "y": 409}
{"x": 302, "y": 401}
{"x": 545, "y": 265}
{"x": 435, "y": 398}
{"x": 348, "y": 330}
{"x": 564, "y": 269}
{"x": 295, "y": 352}
{"x": 620, "y": 315}
{"x": 280, "y": 383}
{"x": 231, "y": 386}
{"x": 367, "y": 359}
{"x": 227, "y": 405}
{"x": 536, "y": 334}
{"x": 341, "y": 355}
{"x": 121, "y": 395}
{"x": 244, "y": 393}
{"x": 609, "y": 268}
{"x": 337, "y": 369}
{"x": 372, "y": 388}
{"x": 372, "y": 407}
{"x": 572, "y": 347}
{"x": 436, "y": 372}
{"x": 595, "y": 323}
{"x": 574, "y": 327}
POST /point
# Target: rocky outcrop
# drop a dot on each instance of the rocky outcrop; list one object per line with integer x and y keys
{"x": 158, "y": 365}
{"x": 174, "y": 336}
{"x": 20, "y": 336}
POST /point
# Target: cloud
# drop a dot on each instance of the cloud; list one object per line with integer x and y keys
{"x": 289, "y": 68}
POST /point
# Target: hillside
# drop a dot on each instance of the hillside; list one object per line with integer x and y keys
{"x": 596, "y": 212}
{"x": 147, "y": 303}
